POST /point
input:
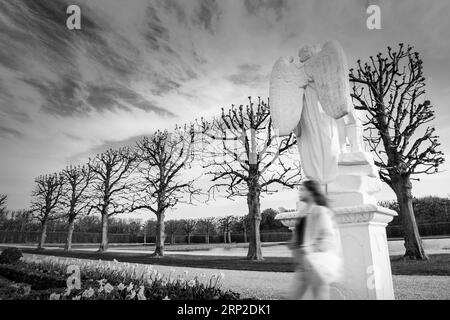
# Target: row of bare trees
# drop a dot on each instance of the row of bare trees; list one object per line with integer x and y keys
{"x": 237, "y": 149}
{"x": 205, "y": 226}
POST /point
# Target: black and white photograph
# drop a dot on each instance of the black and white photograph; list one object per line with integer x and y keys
{"x": 240, "y": 152}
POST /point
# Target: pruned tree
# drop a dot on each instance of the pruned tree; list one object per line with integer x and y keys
{"x": 162, "y": 181}
{"x": 89, "y": 223}
{"x": 390, "y": 89}
{"x": 111, "y": 185}
{"x": 188, "y": 227}
{"x": 245, "y": 157}
{"x": 206, "y": 226}
{"x": 149, "y": 229}
{"x": 171, "y": 228}
{"x": 46, "y": 202}
{"x": 242, "y": 224}
{"x": 225, "y": 226}
{"x": 75, "y": 198}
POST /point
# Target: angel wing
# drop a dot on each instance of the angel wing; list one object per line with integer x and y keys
{"x": 329, "y": 70}
{"x": 286, "y": 95}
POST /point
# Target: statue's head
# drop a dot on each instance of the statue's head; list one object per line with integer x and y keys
{"x": 306, "y": 52}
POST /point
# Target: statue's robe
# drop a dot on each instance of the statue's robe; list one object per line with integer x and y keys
{"x": 295, "y": 93}
{"x": 318, "y": 141}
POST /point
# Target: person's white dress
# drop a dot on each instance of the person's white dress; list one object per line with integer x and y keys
{"x": 319, "y": 258}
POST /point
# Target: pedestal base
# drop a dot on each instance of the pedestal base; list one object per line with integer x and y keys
{"x": 367, "y": 265}
{"x": 366, "y": 256}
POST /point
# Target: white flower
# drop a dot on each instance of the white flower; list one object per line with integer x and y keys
{"x": 166, "y": 298}
{"x": 88, "y": 293}
{"x": 108, "y": 288}
{"x": 191, "y": 283}
{"x": 67, "y": 292}
{"x": 121, "y": 286}
{"x": 115, "y": 261}
{"x": 130, "y": 287}
{"x": 164, "y": 282}
{"x": 132, "y": 295}
{"x": 77, "y": 297}
{"x": 26, "y": 290}
{"x": 221, "y": 276}
{"x": 55, "y": 296}
{"x": 141, "y": 295}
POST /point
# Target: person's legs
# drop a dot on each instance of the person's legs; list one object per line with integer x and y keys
{"x": 302, "y": 286}
{"x": 321, "y": 292}
{"x": 320, "y": 288}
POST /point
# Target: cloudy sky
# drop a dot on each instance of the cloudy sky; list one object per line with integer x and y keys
{"x": 139, "y": 65}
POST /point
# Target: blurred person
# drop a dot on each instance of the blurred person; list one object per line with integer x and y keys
{"x": 315, "y": 245}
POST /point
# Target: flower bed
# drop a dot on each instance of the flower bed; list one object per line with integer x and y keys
{"x": 38, "y": 278}
{"x": 106, "y": 280}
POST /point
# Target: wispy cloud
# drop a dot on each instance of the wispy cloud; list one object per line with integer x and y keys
{"x": 140, "y": 65}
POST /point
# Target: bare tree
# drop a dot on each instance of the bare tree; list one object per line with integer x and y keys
{"x": 206, "y": 225}
{"x": 46, "y": 199}
{"x": 162, "y": 185}
{"x": 149, "y": 229}
{"x": 250, "y": 158}
{"x": 225, "y": 224}
{"x": 111, "y": 184}
{"x": 390, "y": 89}
{"x": 75, "y": 196}
{"x": 188, "y": 226}
{"x": 242, "y": 224}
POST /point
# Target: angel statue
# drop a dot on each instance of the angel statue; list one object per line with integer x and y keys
{"x": 311, "y": 97}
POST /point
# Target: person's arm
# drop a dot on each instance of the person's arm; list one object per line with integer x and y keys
{"x": 292, "y": 243}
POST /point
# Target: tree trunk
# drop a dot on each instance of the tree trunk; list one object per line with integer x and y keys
{"x": 160, "y": 236}
{"x": 224, "y": 237}
{"x": 68, "y": 246}
{"x": 229, "y": 236}
{"x": 189, "y": 238}
{"x": 253, "y": 202}
{"x": 413, "y": 242}
{"x": 207, "y": 237}
{"x": 43, "y": 235}
{"x": 104, "y": 241}
{"x": 245, "y": 236}
{"x": 172, "y": 238}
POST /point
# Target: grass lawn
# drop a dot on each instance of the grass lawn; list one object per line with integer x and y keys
{"x": 438, "y": 264}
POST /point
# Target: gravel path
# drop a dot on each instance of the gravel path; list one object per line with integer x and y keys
{"x": 275, "y": 285}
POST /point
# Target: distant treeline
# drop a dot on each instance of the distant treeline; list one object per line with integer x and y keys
{"x": 429, "y": 209}
{"x": 226, "y": 228}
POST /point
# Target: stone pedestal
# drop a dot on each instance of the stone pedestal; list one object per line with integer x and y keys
{"x": 367, "y": 266}
{"x": 362, "y": 227}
